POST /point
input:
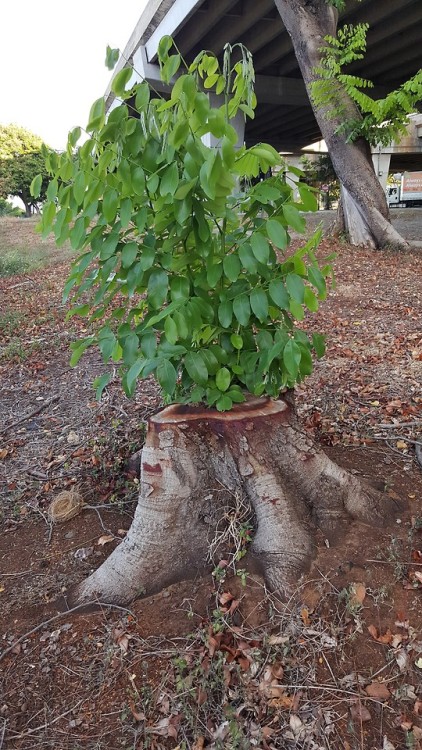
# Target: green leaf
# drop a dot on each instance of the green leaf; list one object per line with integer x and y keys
{"x": 232, "y": 267}
{"x": 278, "y": 294}
{"x": 296, "y": 310}
{"x": 157, "y": 288}
{"x": 311, "y": 300}
{"x": 259, "y": 304}
{"x": 214, "y": 274}
{"x": 110, "y": 204}
{"x": 242, "y": 309}
{"x": 291, "y": 358}
{"x": 35, "y": 188}
{"x": 316, "y": 278}
{"x": 129, "y": 253}
{"x": 100, "y": 383}
{"x": 133, "y": 374}
{"x": 277, "y": 233}
{"x": 125, "y": 211}
{"x": 225, "y": 313}
{"x": 224, "y": 403}
{"x": 295, "y": 287}
{"x": 142, "y": 96}
{"x": 179, "y": 288}
{"x": 170, "y": 330}
{"x": 260, "y": 247}
{"x": 112, "y": 56}
{"x": 78, "y": 348}
{"x": 223, "y": 379}
{"x": 79, "y": 188}
{"x": 148, "y": 344}
{"x": 166, "y": 376}
{"x": 248, "y": 258}
{"x": 138, "y": 180}
{"x": 236, "y": 341}
{"x": 318, "y": 342}
{"x": 293, "y": 218}
{"x": 96, "y": 115}
{"x": 118, "y": 84}
{"x": 169, "y": 180}
{"x": 196, "y": 368}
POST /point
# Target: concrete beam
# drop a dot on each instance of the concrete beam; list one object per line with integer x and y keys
{"x": 177, "y": 16}
{"x": 204, "y": 18}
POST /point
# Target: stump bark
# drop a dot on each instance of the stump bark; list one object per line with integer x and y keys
{"x": 194, "y": 463}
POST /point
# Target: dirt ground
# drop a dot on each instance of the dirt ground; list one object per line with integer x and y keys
{"x": 214, "y": 662}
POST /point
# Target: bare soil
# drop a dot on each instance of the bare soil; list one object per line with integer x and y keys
{"x": 214, "y": 662}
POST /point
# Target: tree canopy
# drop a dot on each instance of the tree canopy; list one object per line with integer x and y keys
{"x": 21, "y": 158}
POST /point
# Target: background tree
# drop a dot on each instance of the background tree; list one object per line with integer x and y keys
{"x": 312, "y": 25}
{"x": 192, "y": 280}
{"x": 320, "y": 174}
{"x": 21, "y": 158}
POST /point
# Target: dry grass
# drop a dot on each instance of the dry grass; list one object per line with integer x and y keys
{"x": 23, "y": 250}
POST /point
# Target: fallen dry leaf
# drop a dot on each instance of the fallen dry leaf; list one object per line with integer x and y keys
{"x": 386, "y": 638}
{"x": 378, "y": 690}
{"x": 357, "y": 593}
{"x": 105, "y": 539}
{"x": 359, "y": 712}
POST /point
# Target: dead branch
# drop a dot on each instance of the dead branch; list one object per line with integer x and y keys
{"x": 31, "y": 414}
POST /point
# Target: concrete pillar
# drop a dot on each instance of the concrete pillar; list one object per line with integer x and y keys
{"x": 381, "y": 161}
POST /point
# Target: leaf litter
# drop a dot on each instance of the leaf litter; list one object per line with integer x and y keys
{"x": 213, "y": 666}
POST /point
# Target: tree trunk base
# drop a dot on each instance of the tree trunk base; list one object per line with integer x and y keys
{"x": 197, "y": 466}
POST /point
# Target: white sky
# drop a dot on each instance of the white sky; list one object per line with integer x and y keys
{"x": 52, "y": 60}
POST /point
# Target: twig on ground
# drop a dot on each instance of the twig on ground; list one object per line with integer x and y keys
{"x": 33, "y": 413}
{"x": 93, "y": 602}
{"x": 49, "y": 723}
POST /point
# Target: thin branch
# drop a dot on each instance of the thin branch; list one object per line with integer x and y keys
{"x": 31, "y": 414}
{"x": 49, "y": 723}
{"x": 44, "y": 624}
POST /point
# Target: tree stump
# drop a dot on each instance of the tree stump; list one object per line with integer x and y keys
{"x": 194, "y": 462}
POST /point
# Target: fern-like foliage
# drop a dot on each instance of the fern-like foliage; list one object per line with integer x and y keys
{"x": 345, "y": 96}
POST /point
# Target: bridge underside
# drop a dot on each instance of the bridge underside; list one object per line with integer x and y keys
{"x": 284, "y": 116}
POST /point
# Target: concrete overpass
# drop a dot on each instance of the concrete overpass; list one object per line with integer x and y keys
{"x": 284, "y": 115}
